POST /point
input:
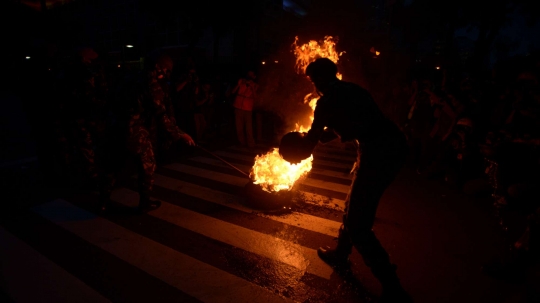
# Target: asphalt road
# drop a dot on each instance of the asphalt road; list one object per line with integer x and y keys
{"x": 210, "y": 243}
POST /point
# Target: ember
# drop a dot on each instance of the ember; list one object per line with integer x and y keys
{"x": 270, "y": 171}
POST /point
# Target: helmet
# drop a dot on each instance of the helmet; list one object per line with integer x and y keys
{"x": 293, "y": 147}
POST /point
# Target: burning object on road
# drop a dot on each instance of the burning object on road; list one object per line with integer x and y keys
{"x": 273, "y": 178}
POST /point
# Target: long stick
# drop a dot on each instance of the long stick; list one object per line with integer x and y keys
{"x": 221, "y": 159}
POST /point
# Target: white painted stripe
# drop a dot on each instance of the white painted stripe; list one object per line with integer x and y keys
{"x": 341, "y": 166}
{"x": 327, "y": 185}
{"x": 305, "y": 221}
{"x": 196, "y": 278}
{"x": 27, "y": 275}
{"x": 209, "y": 174}
{"x": 241, "y": 182}
{"x": 331, "y": 173}
{"x": 295, "y": 255}
{"x": 236, "y": 156}
{"x": 247, "y": 169}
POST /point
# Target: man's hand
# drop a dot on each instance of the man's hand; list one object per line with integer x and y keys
{"x": 187, "y": 139}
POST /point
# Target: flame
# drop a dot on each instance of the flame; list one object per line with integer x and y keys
{"x": 271, "y": 171}
{"x": 275, "y": 174}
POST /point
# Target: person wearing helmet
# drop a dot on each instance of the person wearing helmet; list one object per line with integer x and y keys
{"x": 351, "y": 113}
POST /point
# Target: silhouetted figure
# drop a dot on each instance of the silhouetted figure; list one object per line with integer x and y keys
{"x": 246, "y": 92}
{"x": 144, "y": 112}
{"x": 350, "y": 112}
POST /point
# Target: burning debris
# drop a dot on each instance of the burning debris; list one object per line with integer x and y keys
{"x": 274, "y": 176}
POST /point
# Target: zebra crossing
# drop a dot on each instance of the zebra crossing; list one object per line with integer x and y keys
{"x": 204, "y": 244}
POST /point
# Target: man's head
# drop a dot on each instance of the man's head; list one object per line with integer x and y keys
{"x": 87, "y": 55}
{"x": 322, "y": 72}
{"x": 161, "y": 63}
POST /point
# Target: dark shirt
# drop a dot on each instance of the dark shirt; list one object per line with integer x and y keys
{"x": 350, "y": 111}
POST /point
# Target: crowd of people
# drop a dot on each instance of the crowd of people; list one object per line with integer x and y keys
{"x": 482, "y": 135}
{"x": 455, "y": 124}
{"x": 98, "y": 118}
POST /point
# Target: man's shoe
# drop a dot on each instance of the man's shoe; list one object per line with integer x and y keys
{"x": 146, "y": 205}
{"x": 395, "y": 294}
{"x": 333, "y": 257}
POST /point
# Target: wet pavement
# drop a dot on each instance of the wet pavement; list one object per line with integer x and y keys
{"x": 210, "y": 242}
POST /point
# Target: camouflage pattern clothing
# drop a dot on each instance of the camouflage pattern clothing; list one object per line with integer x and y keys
{"x": 151, "y": 115}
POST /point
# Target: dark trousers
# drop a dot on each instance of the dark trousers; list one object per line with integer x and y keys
{"x": 377, "y": 168}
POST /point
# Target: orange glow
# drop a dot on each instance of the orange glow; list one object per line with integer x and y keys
{"x": 377, "y": 53}
{"x": 271, "y": 171}
{"x": 437, "y": 67}
{"x": 263, "y": 62}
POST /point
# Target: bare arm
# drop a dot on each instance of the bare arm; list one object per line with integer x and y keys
{"x": 237, "y": 86}
{"x": 317, "y": 127}
{"x": 181, "y": 85}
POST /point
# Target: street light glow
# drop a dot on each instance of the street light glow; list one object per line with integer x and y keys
{"x": 129, "y": 46}
{"x": 27, "y": 57}
{"x": 437, "y": 67}
{"x": 263, "y": 62}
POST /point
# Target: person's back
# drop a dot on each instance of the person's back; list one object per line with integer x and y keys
{"x": 351, "y": 112}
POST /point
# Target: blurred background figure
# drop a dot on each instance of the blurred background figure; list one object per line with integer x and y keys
{"x": 246, "y": 92}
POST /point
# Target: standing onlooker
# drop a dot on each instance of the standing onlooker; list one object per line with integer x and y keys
{"x": 245, "y": 90}
{"x": 420, "y": 122}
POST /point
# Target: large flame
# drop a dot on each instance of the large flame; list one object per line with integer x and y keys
{"x": 271, "y": 171}
{"x": 275, "y": 174}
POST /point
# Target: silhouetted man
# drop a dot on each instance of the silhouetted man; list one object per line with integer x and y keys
{"x": 351, "y": 113}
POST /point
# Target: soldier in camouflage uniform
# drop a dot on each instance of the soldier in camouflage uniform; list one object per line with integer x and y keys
{"x": 146, "y": 112}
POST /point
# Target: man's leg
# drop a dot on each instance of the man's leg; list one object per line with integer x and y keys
{"x": 369, "y": 186}
{"x": 146, "y": 168}
{"x": 239, "y": 119}
{"x": 339, "y": 256}
{"x": 248, "y": 118}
